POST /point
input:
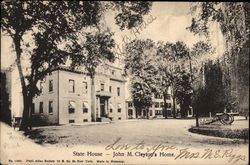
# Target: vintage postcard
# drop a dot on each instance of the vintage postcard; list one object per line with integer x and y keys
{"x": 124, "y": 82}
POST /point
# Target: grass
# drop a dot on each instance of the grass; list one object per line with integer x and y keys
{"x": 220, "y": 131}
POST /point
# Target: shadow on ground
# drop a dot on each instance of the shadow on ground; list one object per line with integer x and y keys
{"x": 39, "y": 138}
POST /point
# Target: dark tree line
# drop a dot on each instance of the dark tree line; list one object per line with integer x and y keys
{"x": 233, "y": 20}
{"x": 210, "y": 98}
{"x": 5, "y": 113}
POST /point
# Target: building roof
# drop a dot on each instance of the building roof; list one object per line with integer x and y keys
{"x": 80, "y": 70}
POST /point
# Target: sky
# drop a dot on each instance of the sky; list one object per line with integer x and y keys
{"x": 172, "y": 19}
{"x": 170, "y": 23}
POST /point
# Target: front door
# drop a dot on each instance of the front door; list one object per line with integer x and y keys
{"x": 102, "y": 107}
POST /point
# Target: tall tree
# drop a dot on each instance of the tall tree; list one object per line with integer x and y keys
{"x": 140, "y": 66}
{"x": 234, "y": 25}
{"x": 182, "y": 73}
{"x": 167, "y": 63}
{"x": 200, "y": 53}
{"x": 50, "y": 23}
{"x": 210, "y": 97}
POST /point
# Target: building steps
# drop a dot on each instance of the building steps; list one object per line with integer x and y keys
{"x": 103, "y": 119}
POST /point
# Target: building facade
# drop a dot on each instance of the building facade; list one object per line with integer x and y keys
{"x": 67, "y": 97}
{"x": 157, "y": 108}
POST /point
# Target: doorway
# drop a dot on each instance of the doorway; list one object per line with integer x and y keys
{"x": 102, "y": 107}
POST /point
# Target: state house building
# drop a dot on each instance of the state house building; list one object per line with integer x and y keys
{"x": 66, "y": 96}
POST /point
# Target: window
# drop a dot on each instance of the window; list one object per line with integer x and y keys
{"x": 71, "y": 121}
{"x": 157, "y": 105}
{"x": 50, "y": 85}
{"x": 162, "y": 104}
{"x": 110, "y": 89}
{"x": 71, "y": 86}
{"x": 118, "y": 91}
{"x": 41, "y": 86}
{"x": 113, "y": 72}
{"x": 119, "y": 118}
{"x": 85, "y": 110}
{"x": 85, "y": 120}
{"x": 119, "y": 108}
{"x": 41, "y": 107}
{"x": 150, "y": 112}
{"x": 85, "y": 107}
{"x": 111, "y": 108}
{"x": 102, "y": 87}
{"x": 130, "y": 104}
{"x": 84, "y": 87}
{"x": 158, "y": 112}
{"x": 71, "y": 107}
{"x": 33, "y": 108}
{"x": 50, "y": 106}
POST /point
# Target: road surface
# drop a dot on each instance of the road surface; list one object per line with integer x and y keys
{"x": 168, "y": 140}
{"x": 170, "y": 131}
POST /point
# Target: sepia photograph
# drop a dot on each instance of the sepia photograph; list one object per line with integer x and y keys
{"x": 124, "y": 82}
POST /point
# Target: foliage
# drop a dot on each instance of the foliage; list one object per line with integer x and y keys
{"x": 130, "y": 13}
{"x": 211, "y": 96}
{"x": 233, "y": 20}
{"x": 141, "y": 67}
{"x": 183, "y": 91}
{"x": 52, "y": 24}
{"x": 95, "y": 49}
{"x": 171, "y": 59}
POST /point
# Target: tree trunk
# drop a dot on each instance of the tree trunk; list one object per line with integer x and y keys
{"x": 196, "y": 113}
{"x": 147, "y": 111}
{"x": 136, "y": 113}
{"x": 165, "y": 105}
{"x": 192, "y": 78}
{"x": 25, "y": 117}
{"x": 174, "y": 103}
{"x": 183, "y": 110}
{"x": 197, "y": 118}
{"x": 26, "y": 120}
{"x": 174, "y": 106}
{"x": 93, "y": 99}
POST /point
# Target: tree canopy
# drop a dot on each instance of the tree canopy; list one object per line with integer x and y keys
{"x": 234, "y": 25}
{"x": 50, "y": 24}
